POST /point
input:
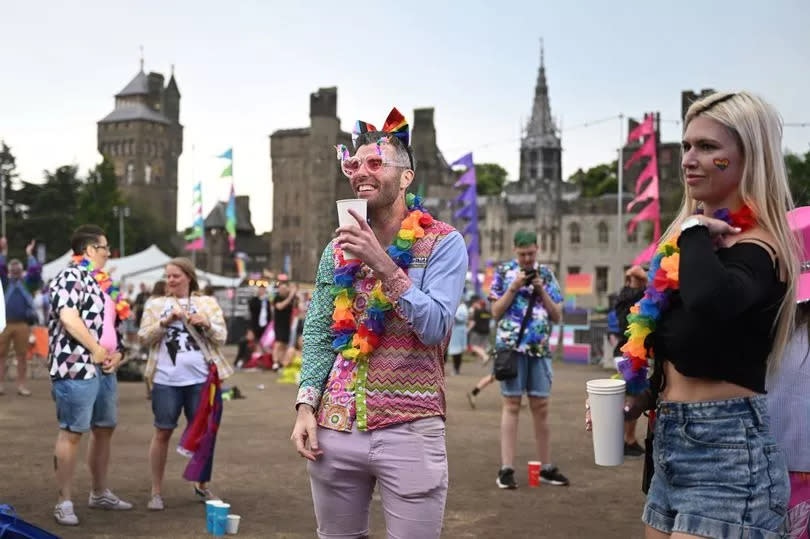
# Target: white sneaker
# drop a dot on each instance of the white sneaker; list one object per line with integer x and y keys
{"x": 108, "y": 500}
{"x": 155, "y": 503}
{"x": 64, "y": 515}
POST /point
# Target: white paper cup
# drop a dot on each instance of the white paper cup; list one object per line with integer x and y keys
{"x": 606, "y": 397}
{"x": 346, "y": 219}
{"x": 232, "y": 527}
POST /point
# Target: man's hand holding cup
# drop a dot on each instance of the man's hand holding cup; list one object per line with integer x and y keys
{"x": 361, "y": 242}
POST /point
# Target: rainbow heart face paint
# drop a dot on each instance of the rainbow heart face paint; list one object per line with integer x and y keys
{"x": 722, "y": 164}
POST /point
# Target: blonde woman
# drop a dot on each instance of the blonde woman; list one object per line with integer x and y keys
{"x": 184, "y": 331}
{"x": 722, "y": 306}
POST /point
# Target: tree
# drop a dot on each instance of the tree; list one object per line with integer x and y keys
{"x": 14, "y": 212}
{"x": 490, "y": 179}
{"x": 144, "y": 229}
{"x": 798, "y": 170}
{"x": 598, "y": 180}
{"x": 50, "y": 209}
{"x": 97, "y": 197}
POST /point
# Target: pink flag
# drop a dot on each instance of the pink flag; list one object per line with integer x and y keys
{"x": 649, "y": 171}
{"x": 645, "y": 255}
{"x": 651, "y": 212}
{"x": 647, "y": 150}
{"x": 643, "y": 129}
{"x": 651, "y": 191}
{"x": 195, "y": 245}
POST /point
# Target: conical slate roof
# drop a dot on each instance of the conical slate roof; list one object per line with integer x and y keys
{"x": 137, "y": 86}
{"x": 135, "y": 111}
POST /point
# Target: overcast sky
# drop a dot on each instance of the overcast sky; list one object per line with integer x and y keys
{"x": 246, "y": 68}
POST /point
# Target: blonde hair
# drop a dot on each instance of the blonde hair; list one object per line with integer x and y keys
{"x": 187, "y": 267}
{"x": 757, "y": 127}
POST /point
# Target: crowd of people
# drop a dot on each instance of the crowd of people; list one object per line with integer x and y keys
{"x": 707, "y": 336}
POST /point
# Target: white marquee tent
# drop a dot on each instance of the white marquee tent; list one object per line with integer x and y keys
{"x": 145, "y": 267}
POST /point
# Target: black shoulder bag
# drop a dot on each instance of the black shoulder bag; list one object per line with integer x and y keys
{"x": 506, "y": 360}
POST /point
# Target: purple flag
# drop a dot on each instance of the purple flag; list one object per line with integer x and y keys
{"x": 465, "y": 160}
{"x": 469, "y": 211}
{"x": 468, "y": 178}
{"x": 466, "y": 212}
{"x": 468, "y": 196}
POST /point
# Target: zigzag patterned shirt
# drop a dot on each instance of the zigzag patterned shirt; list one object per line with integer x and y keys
{"x": 401, "y": 369}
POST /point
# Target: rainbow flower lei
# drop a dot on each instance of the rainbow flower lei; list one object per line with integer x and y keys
{"x": 106, "y": 283}
{"x": 662, "y": 280}
{"x": 357, "y": 343}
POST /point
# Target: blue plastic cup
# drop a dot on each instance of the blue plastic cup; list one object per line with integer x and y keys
{"x": 221, "y": 511}
{"x": 209, "y": 514}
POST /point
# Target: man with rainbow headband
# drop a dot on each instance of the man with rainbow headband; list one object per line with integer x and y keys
{"x": 371, "y": 401}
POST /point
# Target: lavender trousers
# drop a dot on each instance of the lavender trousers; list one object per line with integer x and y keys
{"x": 408, "y": 460}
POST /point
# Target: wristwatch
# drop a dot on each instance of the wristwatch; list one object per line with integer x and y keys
{"x": 691, "y": 222}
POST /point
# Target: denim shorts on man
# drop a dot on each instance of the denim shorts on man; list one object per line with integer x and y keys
{"x": 718, "y": 471}
{"x": 534, "y": 376}
{"x": 169, "y": 401}
{"x": 82, "y": 404}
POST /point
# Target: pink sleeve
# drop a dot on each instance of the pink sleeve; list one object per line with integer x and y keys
{"x": 109, "y": 337}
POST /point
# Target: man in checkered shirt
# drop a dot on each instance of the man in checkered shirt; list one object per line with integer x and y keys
{"x": 85, "y": 350}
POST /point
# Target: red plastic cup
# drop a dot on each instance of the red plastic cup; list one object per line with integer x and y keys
{"x": 534, "y": 473}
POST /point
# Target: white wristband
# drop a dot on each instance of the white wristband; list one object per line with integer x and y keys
{"x": 692, "y": 222}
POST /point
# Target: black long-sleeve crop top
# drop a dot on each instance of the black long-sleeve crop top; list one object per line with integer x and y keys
{"x": 719, "y": 324}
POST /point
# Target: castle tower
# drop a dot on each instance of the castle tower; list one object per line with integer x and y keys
{"x": 143, "y": 138}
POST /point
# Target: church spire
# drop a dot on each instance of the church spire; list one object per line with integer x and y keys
{"x": 141, "y": 47}
{"x": 541, "y": 122}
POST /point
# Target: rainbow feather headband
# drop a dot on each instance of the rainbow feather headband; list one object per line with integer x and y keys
{"x": 395, "y": 124}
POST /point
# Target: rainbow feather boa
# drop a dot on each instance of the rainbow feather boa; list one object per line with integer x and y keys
{"x": 662, "y": 280}
{"x": 356, "y": 343}
{"x": 106, "y": 283}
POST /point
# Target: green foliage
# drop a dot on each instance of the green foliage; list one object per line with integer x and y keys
{"x": 97, "y": 197}
{"x": 798, "y": 170}
{"x": 598, "y": 180}
{"x": 490, "y": 179}
{"x": 49, "y": 212}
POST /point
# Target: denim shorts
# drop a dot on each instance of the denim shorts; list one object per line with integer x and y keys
{"x": 169, "y": 401}
{"x": 81, "y": 404}
{"x": 533, "y": 378}
{"x": 718, "y": 471}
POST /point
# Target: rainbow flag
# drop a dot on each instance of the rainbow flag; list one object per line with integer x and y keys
{"x": 579, "y": 284}
{"x": 230, "y": 210}
{"x": 196, "y": 239}
{"x": 230, "y": 220}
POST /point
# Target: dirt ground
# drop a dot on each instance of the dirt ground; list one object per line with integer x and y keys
{"x": 258, "y": 472}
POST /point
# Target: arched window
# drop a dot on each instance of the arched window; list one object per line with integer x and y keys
{"x": 147, "y": 174}
{"x": 130, "y": 173}
{"x": 573, "y": 231}
{"x": 602, "y": 232}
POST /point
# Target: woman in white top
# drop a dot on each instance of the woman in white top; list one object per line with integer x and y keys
{"x": 179, "y": 327}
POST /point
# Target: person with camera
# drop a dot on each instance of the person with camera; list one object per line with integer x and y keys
{"x": 526, "y": 300}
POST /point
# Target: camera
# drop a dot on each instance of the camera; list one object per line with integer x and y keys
{"x": 530, "y": 275}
